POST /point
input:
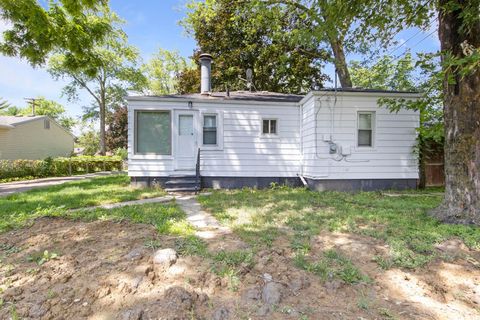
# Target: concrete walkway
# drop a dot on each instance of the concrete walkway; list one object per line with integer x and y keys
{"x": 207, "y": 226}
{"x": 21, "y": 186}
{"x": 128, "y": 203}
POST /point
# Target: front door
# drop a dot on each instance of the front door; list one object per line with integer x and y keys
{"x": 186, "y": 141}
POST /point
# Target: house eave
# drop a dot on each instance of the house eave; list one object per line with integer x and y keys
{"x": 360, "y": 93}
{"x": 211, "y": 101}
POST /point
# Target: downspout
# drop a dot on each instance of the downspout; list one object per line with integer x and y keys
{"x": 301, "y": 139}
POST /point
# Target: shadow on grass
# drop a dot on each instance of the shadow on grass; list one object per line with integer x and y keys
{"x": 401, "y": 221}
{"x": 17, "y": 209}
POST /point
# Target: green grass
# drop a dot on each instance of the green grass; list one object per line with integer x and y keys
{"x": 259, "y": 216}
{"x": 332, "y": 265}
{"x": 18, "y": 209}
{"x": 167, "y": 218}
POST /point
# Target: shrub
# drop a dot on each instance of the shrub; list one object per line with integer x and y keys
{"x": 122, "y": 153}
{"x": 11, "y": 169}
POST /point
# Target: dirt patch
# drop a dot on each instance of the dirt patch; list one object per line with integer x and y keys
{"x": 61, "y": 269}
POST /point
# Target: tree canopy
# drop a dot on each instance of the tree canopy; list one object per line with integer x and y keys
{"x": 107, "y": 80}
{"x": 241, "y": 36}
{"x": 163, "y": 71}
{"x": 70, "y": 26}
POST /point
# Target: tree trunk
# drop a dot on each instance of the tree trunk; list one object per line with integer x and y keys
{"x": 422, "y": 164}
{"x": 341, "y": 63}
{"x": 462, "y": 122}
{"x": 102, "y": 126}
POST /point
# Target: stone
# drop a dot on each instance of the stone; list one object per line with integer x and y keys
{"x": 221, "y": 313}
{"x": 298, "y": 283}
{"x": 136, "y": 282}
{"x": 135, "y": 254}
{"x": 133, "y": 314}
{"x": 272, "y": 293}
{"x": 267, "y": 277}
{"x": 165, "y": 257}
{"x": 37, "y": 311}
{"x": 263, "y": 310}
{"x": 179, "y": 297}
{"x": 252, "y": 294}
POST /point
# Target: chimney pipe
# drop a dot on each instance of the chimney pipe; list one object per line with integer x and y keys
{"x": 206, "y": 69}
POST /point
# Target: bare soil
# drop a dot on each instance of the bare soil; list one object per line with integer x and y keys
{"x": 104, "y": 271}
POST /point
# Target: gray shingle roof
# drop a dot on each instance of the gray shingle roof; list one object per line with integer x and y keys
{"x": 14, "y": 120}
{"x": 236, "y": 95}
{"x": 260, "y": 95}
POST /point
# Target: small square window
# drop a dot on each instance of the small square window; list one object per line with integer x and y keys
{"x": 269, "y": 126}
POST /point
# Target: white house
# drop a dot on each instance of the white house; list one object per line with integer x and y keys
{"x": 328, "y": 139}
{"x": 33, "y": 138}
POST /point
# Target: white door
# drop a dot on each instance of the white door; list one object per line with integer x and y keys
{"x": 186, "y": 141}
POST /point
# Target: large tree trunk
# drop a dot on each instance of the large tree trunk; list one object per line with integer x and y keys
{"x": 462, "y": 123}
{"x": 341, "y": 63}
{"x": 102, "y": 127}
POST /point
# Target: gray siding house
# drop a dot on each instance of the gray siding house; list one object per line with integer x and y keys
{"x": 328, "y": 139}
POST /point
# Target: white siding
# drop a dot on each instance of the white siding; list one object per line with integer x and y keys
{"x": 299, "y": 147}
{"x": 245, "y": 152}
{"x": 391, "y": 157}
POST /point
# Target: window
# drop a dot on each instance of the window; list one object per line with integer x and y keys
{"x": 46, "y": 124}
{"x": 185, "y": 125}
{"x": 153, "y": 132}
{"x": 210, "y": 130}
{"x": 269, "y": 126}
{"x": 365, "y": 129}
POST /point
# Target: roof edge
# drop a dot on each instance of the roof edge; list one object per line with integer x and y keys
{"x": 210, "y": 101}
{"x": 40, "y": 117}
{"x": 353, "y": 93}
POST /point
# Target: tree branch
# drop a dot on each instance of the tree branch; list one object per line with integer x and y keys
{"x": 84, "y": 85}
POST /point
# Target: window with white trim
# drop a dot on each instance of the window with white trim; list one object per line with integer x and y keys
{"x": 153, "y": 133}
{"x": 210, "y": 129}
{"x": 269, "y": 126}
{"x": 366, "y": 132}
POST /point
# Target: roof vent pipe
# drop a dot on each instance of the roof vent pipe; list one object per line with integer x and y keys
{"x": 206, "y": 70}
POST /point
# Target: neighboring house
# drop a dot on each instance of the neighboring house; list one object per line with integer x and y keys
{"x": 33, "y": 137}
{"x": 328, "y": 139}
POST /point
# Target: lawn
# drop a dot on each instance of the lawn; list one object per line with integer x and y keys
{"x": 401, "y": 221}
{"x": 17, "y": 209}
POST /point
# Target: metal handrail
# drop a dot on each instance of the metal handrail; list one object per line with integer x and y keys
{"x": 197, "y": 171}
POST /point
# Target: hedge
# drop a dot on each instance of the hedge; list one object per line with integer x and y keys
{"x": 11, "y": 169}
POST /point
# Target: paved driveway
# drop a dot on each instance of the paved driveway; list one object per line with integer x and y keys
{"x": 20, "y": 186}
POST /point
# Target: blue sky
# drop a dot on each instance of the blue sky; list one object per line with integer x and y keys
{"x": 150, "y": 24}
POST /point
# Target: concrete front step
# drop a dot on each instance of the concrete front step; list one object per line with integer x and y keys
{"x": 182, "y": 183}
{"x": 182, "y": 189}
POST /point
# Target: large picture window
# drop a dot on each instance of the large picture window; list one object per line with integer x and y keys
{"x": 210, "y": 129}
{"x": 365, "y": 129}
{"x": 153, "y": 132}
